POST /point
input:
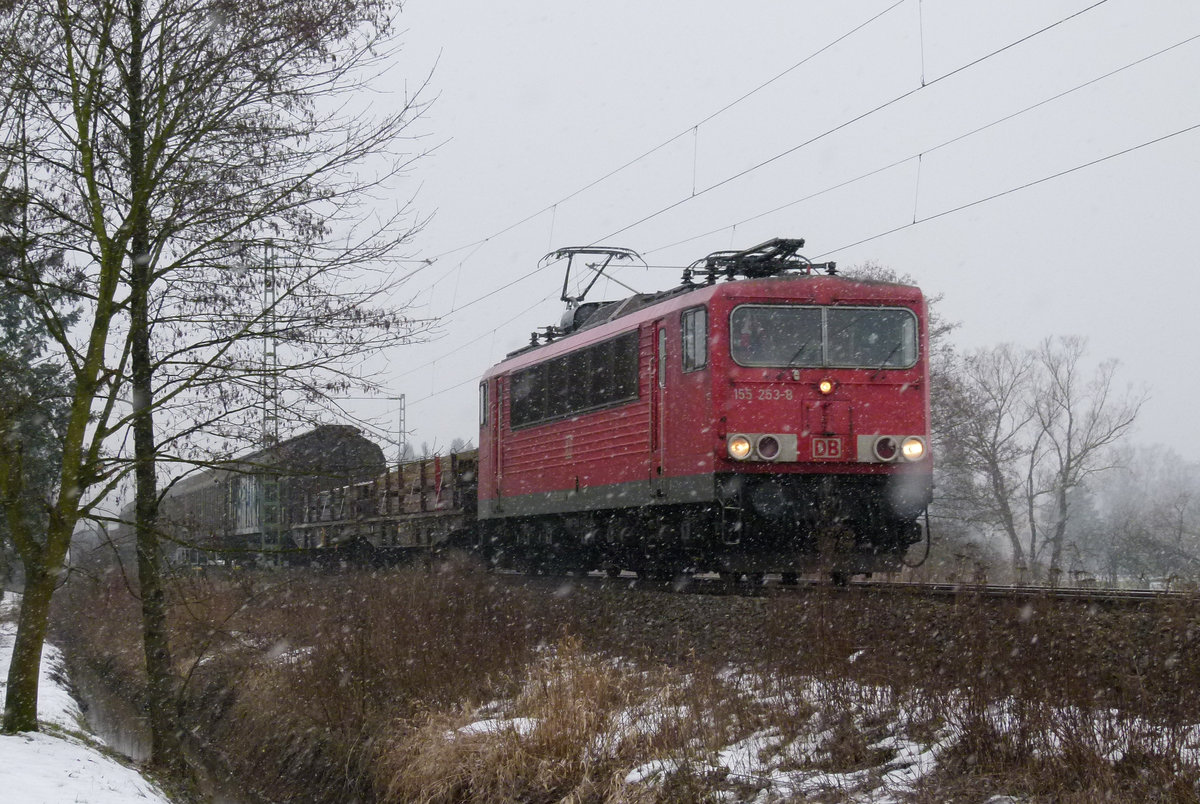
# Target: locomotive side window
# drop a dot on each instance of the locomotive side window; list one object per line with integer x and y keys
{"x": 579, "y": 374}
{"x": 483, "y": 404}
{"x": 527, "y": 396}
{"x": 598, "y": 376}
{"x": 625, "y": 368}
{"x": 558, "y": 385}
{"x": 814, "y": 337}
{"x": 695, "y": 338}
{"x": 602, "y": 371}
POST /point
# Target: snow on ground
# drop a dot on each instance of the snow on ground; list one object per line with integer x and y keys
{"x": 848, "y": 742}
{"x": 62, "y": 763}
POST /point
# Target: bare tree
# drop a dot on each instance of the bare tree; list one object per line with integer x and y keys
{"x": 991, "y": 429}
{"x": 1024, "y": 431}
{"x": 172, "y": 144}
{"x": 1079, "y": 419}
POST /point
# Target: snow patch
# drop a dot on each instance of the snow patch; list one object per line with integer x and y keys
{"x": 49, "y": 768}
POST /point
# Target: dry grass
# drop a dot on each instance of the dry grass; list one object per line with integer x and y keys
{"x": 1053, "y": 754}
{"x": 357, "y": 686}
{"x": 573, "y": 733}
{"x": 293, "y": 678}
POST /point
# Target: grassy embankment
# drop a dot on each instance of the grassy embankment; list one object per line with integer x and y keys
{"x": 364, "y": 686}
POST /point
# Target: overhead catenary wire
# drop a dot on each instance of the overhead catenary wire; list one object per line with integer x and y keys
{"x": 902, "y": 96}
{"x": 1016, "y": 189}
{"x": 916, "y": 219}
{"x": 839, "y": 185}
{"x": 953, "y": 210}
{"x": 927, "y": 151}
{"x": 690, "y": 129}
{"x": 473, "y": 341}
{"x": 975, "y": 62}
{"x": 921, "y": 36}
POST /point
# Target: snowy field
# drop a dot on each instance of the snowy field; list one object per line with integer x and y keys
{"x": 62, "y": 763}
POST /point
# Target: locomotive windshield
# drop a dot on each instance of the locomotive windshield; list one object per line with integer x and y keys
{"x": 816, "y": 337}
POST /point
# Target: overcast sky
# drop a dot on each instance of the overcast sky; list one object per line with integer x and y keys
{"x": 842, "y": 136}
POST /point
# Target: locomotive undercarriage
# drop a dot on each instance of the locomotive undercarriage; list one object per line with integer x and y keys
{"x": 750, "y": 525}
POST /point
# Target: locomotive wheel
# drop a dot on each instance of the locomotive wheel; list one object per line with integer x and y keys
{"x": 612, "y": 571}
{"x": 789, "y": 578}
{"x": 840, "y": 578}
{"x": 731, "y": 578}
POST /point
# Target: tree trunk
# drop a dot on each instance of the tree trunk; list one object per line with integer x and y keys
{"x": 1031, "y": 509}
{"x": 1000, "y": 494}
{"x": 41, "y": 564}
{"x": 165, "y": 747}
{"x": 1059, "y": 532}
{"x": 21, "y": 697}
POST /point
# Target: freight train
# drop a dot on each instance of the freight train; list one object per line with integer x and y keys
{"x": 766, "y": 415}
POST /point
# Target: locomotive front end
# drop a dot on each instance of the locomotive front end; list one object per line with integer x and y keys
{"x": 822, "y": 458}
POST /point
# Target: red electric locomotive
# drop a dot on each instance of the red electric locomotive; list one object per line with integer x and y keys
{"x": 767, "y": 415}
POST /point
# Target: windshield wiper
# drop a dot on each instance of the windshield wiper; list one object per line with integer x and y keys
{"x": 792, "y": 360}
{"x": 888, "y": 359}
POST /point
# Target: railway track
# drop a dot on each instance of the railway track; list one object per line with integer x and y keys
{"x": 1085, "y": 594}
{"x": 771, "y": 586}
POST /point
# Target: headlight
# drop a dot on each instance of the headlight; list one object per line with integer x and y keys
{"x": 913, "y": 449}
{"x": 826, "y": 386}
{"x": 739, "y": 447}
{"x": 768, "y": 447}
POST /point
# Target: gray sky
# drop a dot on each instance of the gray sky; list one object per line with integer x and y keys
{"x": 538, "y": 100}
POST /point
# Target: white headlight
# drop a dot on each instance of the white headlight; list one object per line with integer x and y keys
{"x": 913, "y": 449}
{"x": 739, "y": 447}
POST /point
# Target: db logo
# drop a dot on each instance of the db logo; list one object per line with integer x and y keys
{"x": 826, "y": 448}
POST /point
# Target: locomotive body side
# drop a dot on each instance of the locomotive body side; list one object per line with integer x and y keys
{"x": 577, "y": 426}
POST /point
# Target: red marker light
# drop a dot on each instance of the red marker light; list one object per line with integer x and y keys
{"x": 768, "y": 448}
{"x": 885, "y": 448}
